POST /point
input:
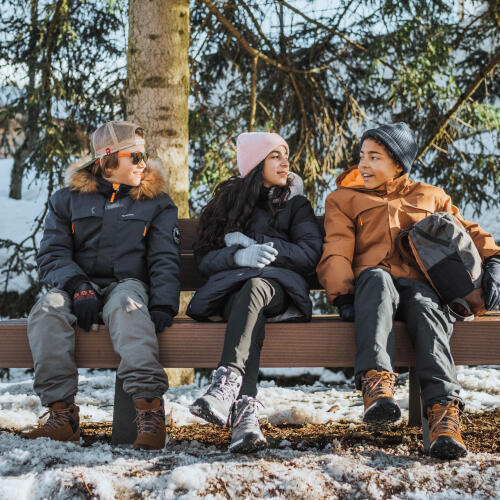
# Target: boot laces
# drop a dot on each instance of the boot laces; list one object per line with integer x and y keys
{"x": 247, "y": 411}
{"x": 445, "y": 418}
{"x": 57, "y": 418}
{"x": 149, "y": 420}
{"x": 222, "y": 386}
{"x": 380, "y": 384}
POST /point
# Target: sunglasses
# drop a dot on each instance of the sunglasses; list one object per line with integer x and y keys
{"x": 136, "y": 157}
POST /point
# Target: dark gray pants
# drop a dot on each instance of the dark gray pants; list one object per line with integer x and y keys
{"x": 51, "y": 336}
{"x": 246, "y": 312}
{"x": 381, "y": 298}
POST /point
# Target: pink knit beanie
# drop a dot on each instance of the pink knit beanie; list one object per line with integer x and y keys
{"x": 253, "y": 147}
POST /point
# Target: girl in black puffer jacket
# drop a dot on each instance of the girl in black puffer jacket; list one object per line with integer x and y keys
{"x": 258, "y": 243}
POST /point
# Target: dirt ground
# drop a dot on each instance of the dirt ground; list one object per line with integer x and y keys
{"x": 481, "y": 433}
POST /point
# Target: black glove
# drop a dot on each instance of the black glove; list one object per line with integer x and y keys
{"x": 491, "y": 283}
{"x": 345, "y": 305}
{"x": 86, "y": 306}
{"x": 161, "y": 318}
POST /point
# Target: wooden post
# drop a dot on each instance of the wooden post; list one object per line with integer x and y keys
{"x": 414, "y": 403}
{"x": 124, "y": 428}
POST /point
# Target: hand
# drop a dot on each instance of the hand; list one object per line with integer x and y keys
{"x": 237, "y": 238}
{"x": 347, "y": 312}
{"x": 345, "y": 305}
{"x": 256, "y": 256}
{"x": 491, "y": 283}
{"x": 86, "y": 306}
{"x": 161, "y": 319}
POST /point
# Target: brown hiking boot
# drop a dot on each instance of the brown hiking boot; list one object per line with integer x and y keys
{"x": 63, "y": 423}
{"x": 444, "y": 428}
{"x": 151, "y": 431}
{"x": 378, "y": 397}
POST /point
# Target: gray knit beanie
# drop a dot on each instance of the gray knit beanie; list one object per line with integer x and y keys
{"x": 399, "y": 139}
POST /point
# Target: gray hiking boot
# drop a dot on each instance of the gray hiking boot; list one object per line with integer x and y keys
{"x": 246, "y": 434}
{"x": 215, "y": 405}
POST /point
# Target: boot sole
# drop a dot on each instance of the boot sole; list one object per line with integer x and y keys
{"x": 75, "y": 438}
{"x": 446, "y": 448}
{"x": 249, "y": 444}
{"x": 200, "y": 408}
{"x": 382, "y": 412}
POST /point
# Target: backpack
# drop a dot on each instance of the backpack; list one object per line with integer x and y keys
{"x": 441, "y": 248}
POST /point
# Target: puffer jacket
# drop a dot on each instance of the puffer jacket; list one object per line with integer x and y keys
{"x": 361, "y": 227}
{"x": 102, "y": 232}
{"x": 297, "y": 237}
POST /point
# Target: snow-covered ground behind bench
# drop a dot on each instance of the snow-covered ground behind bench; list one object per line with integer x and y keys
{"x": 42, "y": 469}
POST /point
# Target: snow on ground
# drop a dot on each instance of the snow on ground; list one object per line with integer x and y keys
{"x": 42, "y": 469}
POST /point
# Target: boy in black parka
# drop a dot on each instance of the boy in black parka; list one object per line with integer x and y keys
{"x": 110, "y": 250}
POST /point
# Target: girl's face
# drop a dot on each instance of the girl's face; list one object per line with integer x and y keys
{"x": 375, "y": 164}
{"x": 276, "y": 168}
{"x": 127, "y": 172}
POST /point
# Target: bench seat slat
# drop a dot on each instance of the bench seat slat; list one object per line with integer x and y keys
{"x": 326, "y": 341}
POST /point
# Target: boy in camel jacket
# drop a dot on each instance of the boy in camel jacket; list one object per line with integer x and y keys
{"x": 370, "y": 283}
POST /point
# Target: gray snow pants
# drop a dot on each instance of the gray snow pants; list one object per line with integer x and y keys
{"x": 125, "y": 312}
{"x": 379, "y": 299}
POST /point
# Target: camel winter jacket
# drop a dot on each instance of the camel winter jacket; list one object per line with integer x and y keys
{"x": 361, "y": 227}
{"x": 102, "y": 232}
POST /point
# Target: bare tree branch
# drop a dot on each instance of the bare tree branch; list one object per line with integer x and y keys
{"x": 251, "y": 50}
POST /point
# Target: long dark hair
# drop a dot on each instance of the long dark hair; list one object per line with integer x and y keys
{"x": 231, "y": 206}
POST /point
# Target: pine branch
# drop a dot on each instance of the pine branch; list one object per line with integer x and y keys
{"x": 462, "y": 99}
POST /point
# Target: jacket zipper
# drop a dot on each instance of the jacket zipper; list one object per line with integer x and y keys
{"x": 115, "y": 187}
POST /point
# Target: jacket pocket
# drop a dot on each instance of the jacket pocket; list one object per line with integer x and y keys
{"x": 86, "y": 225}
{"x": 134, "y": 226}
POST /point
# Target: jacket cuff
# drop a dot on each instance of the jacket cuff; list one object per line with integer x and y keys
{"x": 342, "y": 300}
{"x": 165, "y": 309}
{"x": 73, "y": 283}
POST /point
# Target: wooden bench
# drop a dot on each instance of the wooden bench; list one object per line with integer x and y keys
{"x": 329, "y": 342}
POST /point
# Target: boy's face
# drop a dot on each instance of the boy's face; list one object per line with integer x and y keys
{"x": 375, "y": 164}
{"x": 127, "y": 172}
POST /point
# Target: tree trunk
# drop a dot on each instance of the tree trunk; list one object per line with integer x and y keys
{"x": 158, "y": 91}
{"x": 33, "y": 108}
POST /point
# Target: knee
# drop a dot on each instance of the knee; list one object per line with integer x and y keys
{"x": 374, "y": 277}
{"x": 124, "y": 303}
{"x": 258, "y": 290}
{"x": 53, "y": 302}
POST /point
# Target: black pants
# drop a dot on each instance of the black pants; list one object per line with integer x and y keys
{"x": 246, "y": 312}
{"x": 379, "y": 299}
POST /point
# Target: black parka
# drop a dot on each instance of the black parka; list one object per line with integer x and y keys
{"x": 298, "y": 238}
{"x": 99, "y": 232}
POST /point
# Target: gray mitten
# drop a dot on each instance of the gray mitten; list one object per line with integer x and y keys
{"x": 237, "y": 238}
{"x": 256, "y": 255}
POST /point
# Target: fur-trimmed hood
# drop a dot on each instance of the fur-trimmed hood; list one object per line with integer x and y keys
{"x": 152, "y": 185}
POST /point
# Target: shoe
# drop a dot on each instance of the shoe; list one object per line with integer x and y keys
{"x": 246, "y": 434}
{"x": 378, "y": 398}
{"x": 215, "y": 405}
{"x": 63, "y": 423}
{"x": 150, "y": 420}
{"x": 444, "y": 431}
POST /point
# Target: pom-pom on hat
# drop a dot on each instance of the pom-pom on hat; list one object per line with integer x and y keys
{"x": 253, "y": 147}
